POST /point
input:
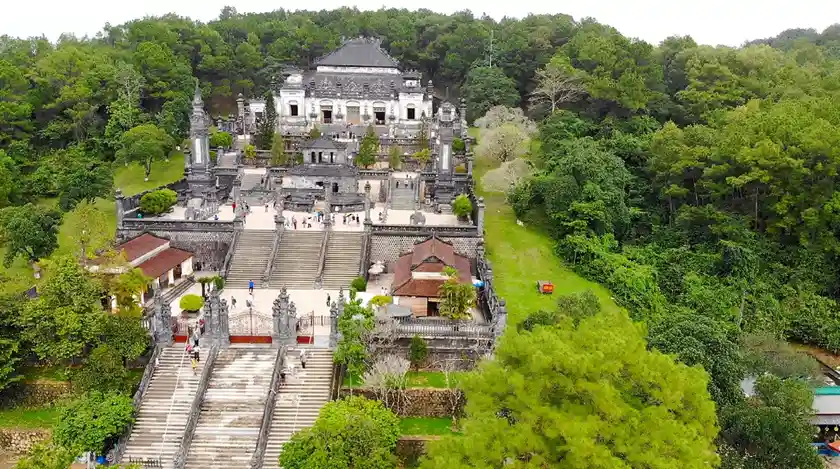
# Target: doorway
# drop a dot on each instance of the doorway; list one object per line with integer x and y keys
{"x": 379, "y": 117}
{"x": 335, "y": 188}
{"x": 326, "y": 116}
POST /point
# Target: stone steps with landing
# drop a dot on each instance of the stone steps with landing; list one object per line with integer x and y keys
{"x": 162, "y": 417}
{"x": 344, "y": 254}
{"x": 252, "y": 180}
{"x": 296, "y": 262}
{"x": 231, "y": 414}
{"x": 402, "y": 198}
{"x": 299, "y": 401}
{"x": 249, "y": 258}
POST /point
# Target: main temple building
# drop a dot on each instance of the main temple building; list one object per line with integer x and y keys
{"x": 351, "y": 88}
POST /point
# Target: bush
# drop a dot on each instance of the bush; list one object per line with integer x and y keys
{"x": 103, "y": 371}
{"x": 417, "y": 351}
{"x": 191, "y": 302}
{"x": 381, "y": 300}
{"x": 88, "y": 423}
{"x": 458, "y": 146}
{"x": 220, "y": 139}
{"x": 461, "y": 169}
{"x": 359, "y": 284}
{"x": 157, "y": 202}
{"x": 462, "y": 206}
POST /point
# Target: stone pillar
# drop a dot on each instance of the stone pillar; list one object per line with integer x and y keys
{"x": 278, "y": 313}
{"x": 367, "y": 202}
{"x": 240, "y": 113}
{"x": 463, "y": 110}
{"x": 120, "y": 208}
{"x": 327, "y": 207}
{"x": 469, "y": 164}
{"x": 480, "y": 219}
{"x": 224, "y": 322}
{"x": 499, "y": 319}
{"x": 162, "y": 320}
{"x": 291, "y": 325}
{"x": 333, "y": 325}
{"x": 211, "y": 320}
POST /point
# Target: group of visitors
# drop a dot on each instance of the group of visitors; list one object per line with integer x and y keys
{"x": 193, "y": 350}
{"x": 289, "y": 369}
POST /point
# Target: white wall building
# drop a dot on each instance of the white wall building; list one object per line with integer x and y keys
{"x": 353, "y": 87}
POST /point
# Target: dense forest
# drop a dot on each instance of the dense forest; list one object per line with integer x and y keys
{"x": 698, "y": 183}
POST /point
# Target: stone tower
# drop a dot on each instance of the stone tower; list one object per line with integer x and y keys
{"x": 197, "y": 163}
{"x": 444, "y": 185}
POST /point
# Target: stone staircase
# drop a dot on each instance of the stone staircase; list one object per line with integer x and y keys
{"x": 344, "y": 254}
{"x": 299, "y": 400}
{"x": 249, "y": 259}
{"x": 402, "y": 198}
{"x": 296, "y": 261}
{"x": 251, "y": 180}
{"x": 162, "y": 417}
{"x": 231, "y": 414}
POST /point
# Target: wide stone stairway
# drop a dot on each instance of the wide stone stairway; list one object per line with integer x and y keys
{"x": 160, "y": 421}
{"x": 252, "y": 180}
{"x": 344, "y": 254}
{"x": 249, "y": 258}
{"x": 402, "y": 198}
{"x": 296, "y": 262}
{"x": 299, "y": 400}
{"x": 229, "y": 422}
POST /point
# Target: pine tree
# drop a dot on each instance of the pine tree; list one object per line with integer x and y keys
{"x": 268, "y": 126}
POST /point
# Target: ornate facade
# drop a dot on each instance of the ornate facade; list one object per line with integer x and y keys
{"x": 353, "y": 87}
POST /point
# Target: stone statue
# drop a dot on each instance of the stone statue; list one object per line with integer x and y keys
{"x": 224, "y": 324}
{"x": 417, "y": 218}
{"x": 333, "y": 325}
{"x": 162, "y": 320}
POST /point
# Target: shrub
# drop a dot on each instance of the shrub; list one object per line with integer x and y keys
{"x": 103, "y": 371}
{"x": 220, "y": 139}
{"x": 157, "y": 202}
{"x": 417, "y": 351}
{"x": 381, "y": 300}
{"x": 191, "y": 302}
{"x": 359, "y": 284}
{"x": 461, "y": 169}
{"x": 458, "y": 146}
{"x": 94, "y": 419}
{"x": 462, "y": 206}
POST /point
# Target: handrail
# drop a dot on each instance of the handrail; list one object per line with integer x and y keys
{"x": 119, "y": 448}
{"x": 268, "y": 409}
{"x": 322, "y": 259}
{"x": 275, "y": 246}
{"x": 229, "y": 255}
{"x": 172, "y": 399}
{"x": 195, "y": 409}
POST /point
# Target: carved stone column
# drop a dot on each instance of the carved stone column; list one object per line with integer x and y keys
{"x": 211, "y": 323}
{"x": 480, "y": 218}
{"x": 224, "y": 323}
{"x": 162, "y": 320}
{"x": 333, "y": 325}
{"x": 291, "y": 325}
{"x": 367, "y": 202}
{"x": 279, "y": 310}
{"x": 120, "y": 208}
{"x": 327, "y": 207}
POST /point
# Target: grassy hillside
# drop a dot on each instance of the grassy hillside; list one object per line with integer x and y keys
{"x": 523, "y": 255}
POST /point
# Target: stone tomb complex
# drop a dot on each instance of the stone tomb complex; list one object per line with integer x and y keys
{"x": 300, "y": 234}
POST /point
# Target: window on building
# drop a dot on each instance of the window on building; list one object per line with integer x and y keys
{"x": 312, "y": 157}
{"x": 379, "y": 117}
{"x": 411, "y": 113}
{"x": 293, "y": 110}
{"x": 320, "y": 157}
{"x": 332, "y": 157}
{"x": 326, "y": 116}
{"x": 353, "y": 114}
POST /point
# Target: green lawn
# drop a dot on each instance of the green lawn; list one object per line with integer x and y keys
{"x": 29, "y": 418}
{"x": 129, "y": 179}
{"x": 523, "y": 255}
{"x": 426, "y": 426}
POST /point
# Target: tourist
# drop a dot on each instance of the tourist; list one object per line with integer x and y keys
{"x": 328, "y": 300}
{"x": 196, "y": 355}
{"x": 266, "y": 206}
{"x": 283, "y": 376}
{"x": 294, "y": 221}
{"x": 234, "y": 208}
{"x": 232, "y": 302}
{"x": 251, "y": 287}
{"x": 303, "y": 359}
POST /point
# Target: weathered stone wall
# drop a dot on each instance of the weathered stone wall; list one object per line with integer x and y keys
{"x": 19, "y": 442}
{"x": 346, "y": 185}
{"x": 410, "y": 448}
{"x": 418, "y": 402}
{"x": 35, "y": 394}
{"x": 208, "y": 247}
{"x": 388, "y": 248}
{"x": 459, "y": 356}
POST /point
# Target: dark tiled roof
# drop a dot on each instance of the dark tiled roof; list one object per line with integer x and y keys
{"x": 360, "y": 52}
{"x": 328, "y": 85}
{"x": 164, "y": 262}
{"x": 324, "y": 142}
{"x": 433, "y": 248}
{"x": 141, "y": 245}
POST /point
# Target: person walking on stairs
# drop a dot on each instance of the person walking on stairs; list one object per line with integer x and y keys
{"x": 303, "y": 359}
{"x": 251, "y": 287}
